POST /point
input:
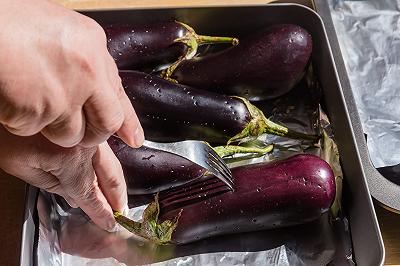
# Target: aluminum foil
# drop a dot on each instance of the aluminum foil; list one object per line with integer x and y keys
{"x": 67, "y": 237}
{"x": 369, "y": 38}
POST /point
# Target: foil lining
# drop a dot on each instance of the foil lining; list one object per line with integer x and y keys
{"x": 369, "y": 38}
{"x": 68, "y": 237}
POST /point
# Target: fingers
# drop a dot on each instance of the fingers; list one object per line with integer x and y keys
{"x": 131, "y": 132}
{"x": 109, "y": 111}
{"x": 104, "y": 116}
{"x": 41, "y": 179}
{"x": 67, "y": 131}
{"x": 79, "y": 181}
{"x": 110, "y": 177}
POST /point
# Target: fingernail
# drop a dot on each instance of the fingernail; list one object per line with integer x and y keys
{"x": 138, "y": 136}
{"x": 116, "y": 228}
{"x": 125, "y": 210}
{"x": 110, "y": 225}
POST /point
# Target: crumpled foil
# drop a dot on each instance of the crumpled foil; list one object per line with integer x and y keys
{"x": 369, "y": 38}
{"x": 68, "y": 237}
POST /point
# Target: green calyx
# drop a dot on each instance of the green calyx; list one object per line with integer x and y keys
{"x": 259, "y": 124}
{"x": 150, "y": 228}
{"x": 192, "y": 40}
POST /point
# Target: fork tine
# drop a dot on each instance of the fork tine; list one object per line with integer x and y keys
{"x": 212, "y": 152}
{"x": 221, "y": 162}
{"x": 221, "y": 170}
{"x": 220, "y": 173}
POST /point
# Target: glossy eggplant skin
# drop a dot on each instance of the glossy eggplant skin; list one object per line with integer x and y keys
{"x": 149, "y": 171}
{"x": 173, "y": 112}
{"x": 278, "y": 194}
{"x": 264, "y": 65}
{"x": 145, "y": 45}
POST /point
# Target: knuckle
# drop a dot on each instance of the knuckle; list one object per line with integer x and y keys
{"x": 93, "y": 28}
{"x": 111, "y": 124}
{"x": 114, "y": 183}
{"x": 65, "y": 130}
{"x": 24, "y": 116}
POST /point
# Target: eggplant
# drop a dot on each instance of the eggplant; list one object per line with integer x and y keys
{"x": 264, "y": 65}
{"x": 148, "y": 170}
{"x": 171, "y": 112}
{"x": 136, "y": 46}
{"x": 268, "y": 195}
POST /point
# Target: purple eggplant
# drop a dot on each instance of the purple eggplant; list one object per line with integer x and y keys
{"x": 137, "y": 46}
{"x": 148, "y": 170}
{"x": 173, "y": 112}
{"x": 269, "y": 195}
{"x": 265, "y": 65}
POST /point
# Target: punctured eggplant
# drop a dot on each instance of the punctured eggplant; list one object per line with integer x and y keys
{"x": 264, "y": 65}
{"x": 136, "y": 46}
{"x": 173, "y": 112}
{"x": 278, "y": 194}
{"x": 148, "y": 170}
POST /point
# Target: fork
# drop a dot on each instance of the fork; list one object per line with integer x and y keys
{"x": 199, "y": 153}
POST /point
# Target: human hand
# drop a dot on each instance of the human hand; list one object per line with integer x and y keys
{"x": 57, "y": 77}
{"x": 89, "y": 178}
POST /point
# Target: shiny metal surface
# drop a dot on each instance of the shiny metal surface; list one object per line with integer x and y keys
{"x": 198, "y": 152}
{"x": 378, "y": 120}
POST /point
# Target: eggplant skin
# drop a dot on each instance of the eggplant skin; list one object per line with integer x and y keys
{"x": 171, "y": 112}
{"x": 137, "y": 46}
{"x": 278, "y": 194}
{"x": 265, "y": 65}
{"x": 148, "y": 170}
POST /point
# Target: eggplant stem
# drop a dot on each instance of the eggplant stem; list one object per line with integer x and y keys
{"x": 150, "y": 228}
{"x": 259, "y": 124}
{"x": 192, "y": 40}
{"x": 229, "y": 150}
{"x": 167, "y": 73}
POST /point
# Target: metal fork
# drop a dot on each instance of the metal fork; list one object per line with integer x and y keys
{"x": 199, "y": 153}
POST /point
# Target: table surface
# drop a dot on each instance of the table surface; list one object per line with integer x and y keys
{"x": 12, "y": 190}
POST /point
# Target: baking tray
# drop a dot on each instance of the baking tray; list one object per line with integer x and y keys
{"x": 365, "y": 234}
{"x": 381, "y": 189}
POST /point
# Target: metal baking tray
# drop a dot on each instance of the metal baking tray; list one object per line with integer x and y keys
{"x": 381, "y": 189}
{"x": 365, "y": 234}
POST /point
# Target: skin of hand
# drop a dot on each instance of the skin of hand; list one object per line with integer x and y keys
{"x": 89, "y": 178}
{"x": 57, "y": 77}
